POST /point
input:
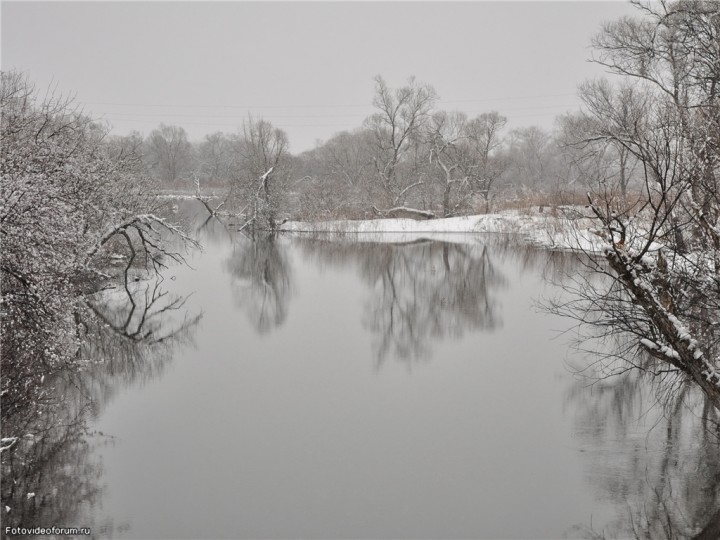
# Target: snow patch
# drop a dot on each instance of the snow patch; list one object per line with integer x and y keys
{"x": 557, "y": 233}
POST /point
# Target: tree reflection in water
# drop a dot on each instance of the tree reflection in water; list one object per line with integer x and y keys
{"x": 261, "y": 280}
{"x": 665, "y": 483}
{"x": 650, "y": 442}
{"x": 52, "y": 475}
{"x": 208, "y": 229}
{"x": 421, "y": 291}
{"x": 664, "y": 471}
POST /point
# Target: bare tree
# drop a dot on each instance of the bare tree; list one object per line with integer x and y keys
{"x": 487, "y": 163}
{"x": 448, "y": 153}
{"x": 347, "y": 156}
{"x": 261, "y": 172}
{"x": 663, "y": 252}
{"x": 335, "y": 179}
{"x": 169, "y": 153}
{"x": 402, "y": 114}
{"x": 529, "y": 149}
{"x": 214, "y": 159}
{"x": 594, "y": 161}
{"x": 468, "y": 156}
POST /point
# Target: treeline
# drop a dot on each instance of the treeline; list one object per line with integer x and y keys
{"x": 408, "y": 158}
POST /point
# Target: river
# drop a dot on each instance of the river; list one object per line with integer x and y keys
{"x": 322, "y": 387}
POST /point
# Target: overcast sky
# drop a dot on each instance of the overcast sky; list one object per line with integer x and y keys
{"x": 307, "y": 67}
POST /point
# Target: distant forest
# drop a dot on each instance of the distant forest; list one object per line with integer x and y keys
{"x": 408, "y": 158}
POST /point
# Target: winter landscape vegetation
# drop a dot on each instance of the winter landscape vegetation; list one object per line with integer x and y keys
{"x": 431, "y": 324}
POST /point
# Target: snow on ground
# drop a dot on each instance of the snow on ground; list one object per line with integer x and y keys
{"x": 545, "y": 230}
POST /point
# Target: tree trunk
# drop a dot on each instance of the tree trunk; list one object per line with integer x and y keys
{"x": 623, "y": 172}
{"x": 700, "y": 371}
{"x": 446, "y": 200}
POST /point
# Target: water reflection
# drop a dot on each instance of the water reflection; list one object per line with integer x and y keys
{"x": 132, "y": 338}
{"x": 209, "y": 230}
{"x": 322, "y": 446}
{"x": 261, "y": 281}
{"x": 52, "y": 475}
{"x": 260, "y": 276}
{"x": 659, "y": 465}
{"x": 420, "y": 292}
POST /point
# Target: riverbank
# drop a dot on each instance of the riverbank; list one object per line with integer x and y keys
{"x": 571, "y": 230}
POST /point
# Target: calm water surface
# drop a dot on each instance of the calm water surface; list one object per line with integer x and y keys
{"x": 322, "y": 388}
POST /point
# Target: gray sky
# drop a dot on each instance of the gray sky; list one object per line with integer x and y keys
{"x": 307, "y": 67}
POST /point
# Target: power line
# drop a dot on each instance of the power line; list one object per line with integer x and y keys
{"x": 282, "y": 116}
{"x": 346, "y": 125}
{"x": 365, "y": 105}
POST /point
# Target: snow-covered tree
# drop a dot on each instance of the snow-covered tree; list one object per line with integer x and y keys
{"x": 446, "y": 138}
{"x": 261, "y": 171}
{"x": 401, "y": 116}
{"x": 68, "y": 192}
{"x": 488, "y": 162}
{"x": 663, "y": 251}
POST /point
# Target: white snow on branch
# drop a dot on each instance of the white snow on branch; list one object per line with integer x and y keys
{"x": 6, "y": 443}
{"x": 662, "y": 349}
{"x": 264, "y": 177}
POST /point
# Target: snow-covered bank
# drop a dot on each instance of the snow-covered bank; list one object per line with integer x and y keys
{"x": 545, "y": 230}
